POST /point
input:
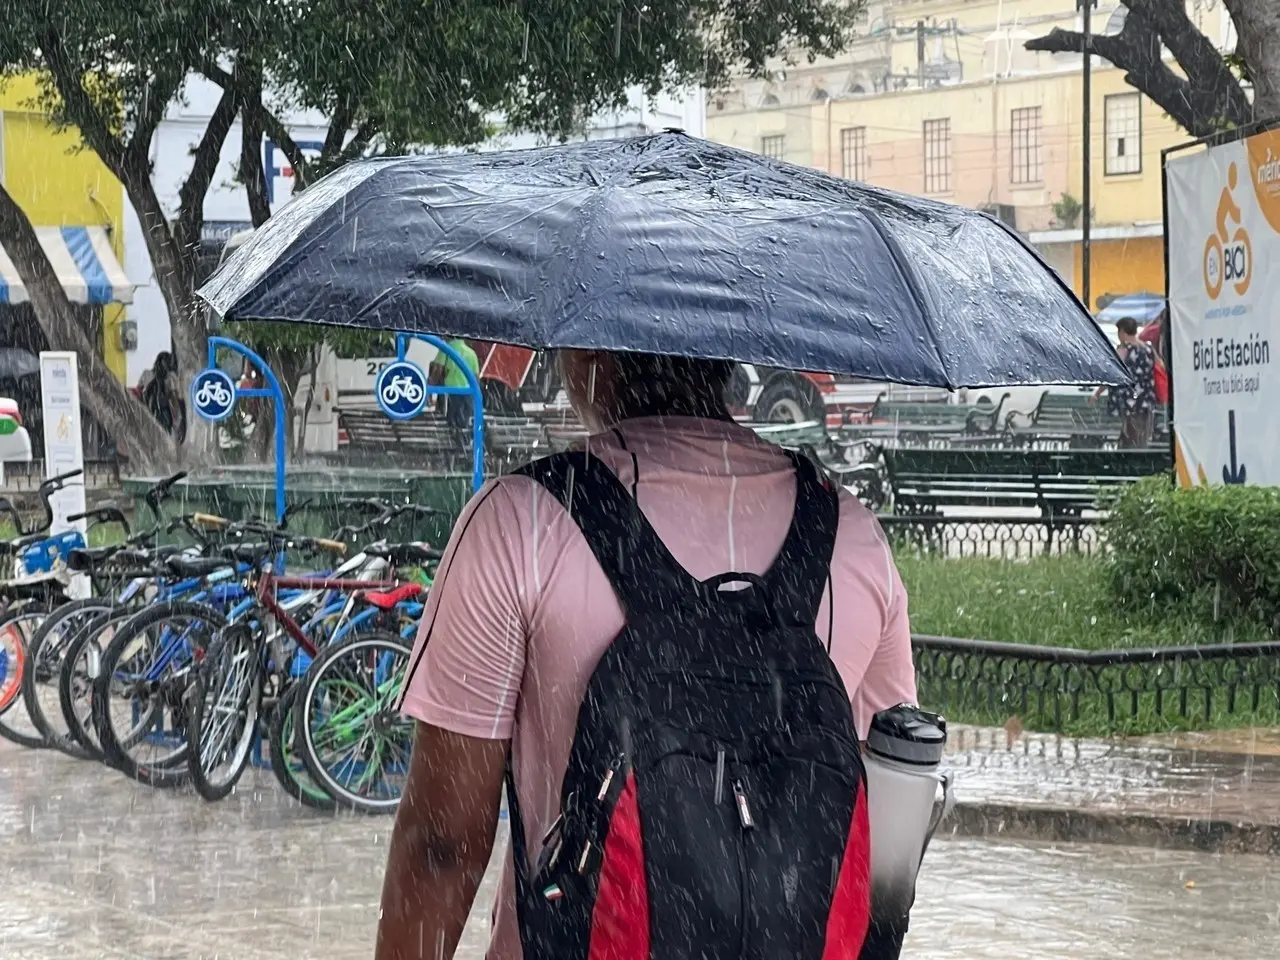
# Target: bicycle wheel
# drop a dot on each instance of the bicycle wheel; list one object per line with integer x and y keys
{"x": 80, "y": 667}
{"x": 17, "y": 627}
{"x": 45, "y": 654}
{"x": 286, "y": 763}
{"x": 223, "y": 719}
{"x": 140, "y": 696}
{"x": 352, "y": 739}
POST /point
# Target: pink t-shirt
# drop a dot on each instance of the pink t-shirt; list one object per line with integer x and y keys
{"x": 521, "y": 613}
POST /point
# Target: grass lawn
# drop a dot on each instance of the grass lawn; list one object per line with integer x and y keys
{"x": 1065, "y": 602}
{"x": 1053, "y": 601}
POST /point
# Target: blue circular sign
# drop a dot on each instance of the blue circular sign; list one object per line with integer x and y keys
{"x": 213, "y": 394}
{"x": 401, "y": 390}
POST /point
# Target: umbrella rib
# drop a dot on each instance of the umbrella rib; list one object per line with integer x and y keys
{"x": 908, "y": 274}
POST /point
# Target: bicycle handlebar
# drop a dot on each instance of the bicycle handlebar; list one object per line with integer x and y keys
{"x": 210, "y": 520}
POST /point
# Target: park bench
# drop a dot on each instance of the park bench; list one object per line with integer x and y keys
{"x": 1065, "y": 418}
{"x": 1059, "y": 483}
{"x": 922, "y": 424}
{"x": 508, "y": 441}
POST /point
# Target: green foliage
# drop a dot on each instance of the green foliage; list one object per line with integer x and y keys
{"x": 1067, "y": 210}
{"x": 1064, "y": 601}
{"x": 1207, "y": 552}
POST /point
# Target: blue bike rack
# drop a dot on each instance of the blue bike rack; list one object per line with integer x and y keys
{"x": 271, "y": 391}
{"x": 472, "y": 390}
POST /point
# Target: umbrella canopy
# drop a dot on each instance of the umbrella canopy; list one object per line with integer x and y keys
{"x": 668, "y": 244}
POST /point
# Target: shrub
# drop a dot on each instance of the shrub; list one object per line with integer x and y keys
{"x": 1207, "y": 551}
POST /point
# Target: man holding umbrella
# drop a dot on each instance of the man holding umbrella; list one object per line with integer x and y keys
{"x": 592, "y": 606}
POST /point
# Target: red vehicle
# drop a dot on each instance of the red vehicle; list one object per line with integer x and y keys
{"x": 512, "y": 377}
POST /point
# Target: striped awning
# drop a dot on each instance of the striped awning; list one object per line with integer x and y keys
{"x": 83, "y": 260}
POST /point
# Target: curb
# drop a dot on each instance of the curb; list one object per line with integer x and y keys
{"x": 1010, "y": 821}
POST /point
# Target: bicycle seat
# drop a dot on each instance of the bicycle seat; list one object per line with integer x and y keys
{"x": 9, "y": 547}
{"x": 195, "y": 566}
{"x": 387, "y": 599}
{"x": 405, "y": 554}
{"x": 84, "y": 559}
{"x": 249, "y": 552}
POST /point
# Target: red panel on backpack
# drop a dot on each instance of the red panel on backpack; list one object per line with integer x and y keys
{"x": 850, "y": 915}
{"x": 620, "y": 919}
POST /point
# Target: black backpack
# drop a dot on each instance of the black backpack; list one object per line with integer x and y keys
{"x": 714, "y": 804}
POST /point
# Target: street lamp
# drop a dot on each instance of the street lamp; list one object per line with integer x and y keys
{"x": 1087, "y": 7}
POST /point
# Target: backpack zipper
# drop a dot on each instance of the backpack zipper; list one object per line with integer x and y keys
{"x": 748, "y": 822}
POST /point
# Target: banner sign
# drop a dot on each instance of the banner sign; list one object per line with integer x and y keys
{"x": 1223, "y": 218}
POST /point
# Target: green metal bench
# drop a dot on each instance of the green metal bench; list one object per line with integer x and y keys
{"x": 1056, "y": 482}
{"x": 1066, "y": 418}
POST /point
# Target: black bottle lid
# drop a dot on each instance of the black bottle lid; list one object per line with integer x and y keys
{"x": 909, "y": 735}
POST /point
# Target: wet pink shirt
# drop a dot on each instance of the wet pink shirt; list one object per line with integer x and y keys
{"x": 521, "y": 613}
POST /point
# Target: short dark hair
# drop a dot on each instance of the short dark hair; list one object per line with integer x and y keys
{"x": 651, "y": 384}
{"x": 1127, "y": 325}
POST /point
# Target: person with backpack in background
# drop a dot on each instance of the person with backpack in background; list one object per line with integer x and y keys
{"x": 668, "y": 645}
{"x": 159, "y": 390}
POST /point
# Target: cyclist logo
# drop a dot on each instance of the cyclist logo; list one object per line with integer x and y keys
{"x": 1228, "y": 255}
{"x": 401, "y": 390}
{"x": 213, "y": 394}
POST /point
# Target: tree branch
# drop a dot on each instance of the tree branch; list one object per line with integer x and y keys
{"x": 1203, "y": 103}
{"x": 280, "y": 135}
{"x": 78, "y": 105}
{"x": 151, "y": 111}
{"x": 1258, "y": 38}
{"x": 203, "y": 166}
{"x": 358, "y": 143}
{"x": 337, "y": 132}
{"x": 252, "y": 174}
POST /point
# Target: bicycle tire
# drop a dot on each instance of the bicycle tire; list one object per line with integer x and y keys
{"x": 75, "y": 681}
{"x": 170, "y": 769}
{"x": 373, "y": 726}
{"x": 13, "y": 666}
{"x": 229, "y": 682}
{"x": 45, "y": 653}
{"x": 17, "y": 627}
{"x": 289, "y": 768}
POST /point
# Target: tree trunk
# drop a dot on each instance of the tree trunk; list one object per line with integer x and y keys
{"x": 136, "y": 433}
{"x": 174, "y": 269}
{"x": 1258, "y": 29}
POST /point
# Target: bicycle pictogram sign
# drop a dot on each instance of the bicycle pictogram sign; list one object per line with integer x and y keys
{"x": 213, "y": 394}
{"x": 1228, "y": 255}
{"x": 401, "y": 390}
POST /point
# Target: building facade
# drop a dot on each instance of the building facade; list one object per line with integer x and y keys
{"x": 77, "y": 208}
{"x": 959, "y": 110}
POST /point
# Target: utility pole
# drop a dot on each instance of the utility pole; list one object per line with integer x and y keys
{"x": 920, "y": 53}
{"x": 1087, "y": 6}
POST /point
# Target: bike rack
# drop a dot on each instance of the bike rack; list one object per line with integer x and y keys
{"x": 272, "y": 391}
{"x": 472, "y": 389}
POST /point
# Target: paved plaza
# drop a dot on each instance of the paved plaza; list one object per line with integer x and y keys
{"x": 95, "y": 867}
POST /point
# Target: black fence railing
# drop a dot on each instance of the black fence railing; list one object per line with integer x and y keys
{"x": 995, "y": 538}
{"x": 1066, "y": 690}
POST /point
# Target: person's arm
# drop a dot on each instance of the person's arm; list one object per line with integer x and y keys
{"x": 462, "y": 687}
{"x": 890, "y": 678}
{"x": 441, "y": 844}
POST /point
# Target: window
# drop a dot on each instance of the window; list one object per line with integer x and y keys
{"x": 1025, "y": 130}
{"x": 773, "y": 147}
{"x": 1123, "y": 121}
{"x": 853, "y": 153}
{"x": 937, "y": 156}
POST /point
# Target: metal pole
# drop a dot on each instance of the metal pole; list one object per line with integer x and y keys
{"x": 1085, "y": 245}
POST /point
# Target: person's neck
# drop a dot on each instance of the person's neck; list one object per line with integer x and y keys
{"x": 703, "y": 409}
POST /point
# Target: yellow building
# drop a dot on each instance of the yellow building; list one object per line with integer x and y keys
{"x": 958, "y": 109}
{"x": 77, "y": 208}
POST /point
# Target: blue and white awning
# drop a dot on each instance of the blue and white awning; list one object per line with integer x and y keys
{"x": 83, "y": 260}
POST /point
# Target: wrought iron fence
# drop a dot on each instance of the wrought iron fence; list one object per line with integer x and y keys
{"x": 1064, "y": 690}
{"x": 997, "y": 537}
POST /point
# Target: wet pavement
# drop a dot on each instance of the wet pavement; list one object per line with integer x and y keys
{"x": 94, "y": 867}
{"x": 1211, "y": 776}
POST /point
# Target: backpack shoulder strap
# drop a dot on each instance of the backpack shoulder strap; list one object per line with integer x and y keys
{"x": 638, "y": 564}
{"x": 798, "y": 577}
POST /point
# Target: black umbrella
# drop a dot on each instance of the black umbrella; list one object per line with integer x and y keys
{"x": 668, "y": 244}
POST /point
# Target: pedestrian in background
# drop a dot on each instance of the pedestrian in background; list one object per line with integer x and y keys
{"x": 162, "y": 395}
{"x": 1135, "y": 404}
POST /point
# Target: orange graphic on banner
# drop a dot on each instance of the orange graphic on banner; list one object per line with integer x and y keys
{"x": 1228, "y": 256}
{"x": 1264, "y": 171}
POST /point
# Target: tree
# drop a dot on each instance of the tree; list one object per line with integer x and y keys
{"x": 1208, "y": 96}
{"x": 386, "y": 75}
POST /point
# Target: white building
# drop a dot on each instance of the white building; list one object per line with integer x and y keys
{"x": 226, "y": 207}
